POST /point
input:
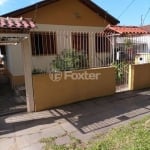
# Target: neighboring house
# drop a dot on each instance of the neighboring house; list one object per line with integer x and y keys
{"x": 130, "y": 42}
{"x": 146, "y": 27}
{"x": 61, "y": 24}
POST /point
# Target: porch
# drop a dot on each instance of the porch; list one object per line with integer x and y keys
{"x": 14, "y": 31}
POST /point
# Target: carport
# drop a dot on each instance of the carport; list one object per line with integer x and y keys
{"x": 12, "y": 32}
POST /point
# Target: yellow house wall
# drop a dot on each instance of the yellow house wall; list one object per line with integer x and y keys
{"x": 48, "y": 94}
{"x": 67, "y": 12}
{"x": 61, "y": 15}
{"x": 139, "y": 76}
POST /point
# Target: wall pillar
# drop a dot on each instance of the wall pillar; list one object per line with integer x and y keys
{"x": 27, "y": 59}
{"x": 130, "y": 77}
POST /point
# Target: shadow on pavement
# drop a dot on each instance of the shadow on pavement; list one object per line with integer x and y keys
{"x": 86, "y": 116}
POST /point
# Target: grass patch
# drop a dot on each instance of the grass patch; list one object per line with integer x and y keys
{"x": 135, "y": 136}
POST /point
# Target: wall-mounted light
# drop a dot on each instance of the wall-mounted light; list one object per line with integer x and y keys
{"x": 77, "y": 15}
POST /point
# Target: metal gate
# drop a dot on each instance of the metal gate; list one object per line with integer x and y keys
{"x": 128, "y": 50}
{"x": 76, "y": 49}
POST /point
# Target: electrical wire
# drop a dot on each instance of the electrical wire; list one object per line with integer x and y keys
{"x": 126, "y": 8}
{"x": 146, "y": 16}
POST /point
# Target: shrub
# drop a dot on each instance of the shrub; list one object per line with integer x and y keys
{"x": 121, "y": 69}
{"x": 38, "y": 71}
{"x": 70, "y": 60}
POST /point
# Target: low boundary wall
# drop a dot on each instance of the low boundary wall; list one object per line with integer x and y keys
{"x": 48, "y": 93}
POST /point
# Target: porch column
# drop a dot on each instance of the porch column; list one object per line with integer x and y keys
{"x": 27, "y": 59}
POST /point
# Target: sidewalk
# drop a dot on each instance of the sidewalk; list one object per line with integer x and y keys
{"x": 82, "y": 120}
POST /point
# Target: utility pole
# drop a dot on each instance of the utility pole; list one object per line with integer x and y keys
{"x": 141, "y": 20}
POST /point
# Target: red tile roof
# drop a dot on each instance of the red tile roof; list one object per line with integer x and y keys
{"x": 16, "y": 23}
{"x": 125, "y": 30}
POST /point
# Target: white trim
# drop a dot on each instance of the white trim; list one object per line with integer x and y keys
{"x": 16, "y": 35}
{"x": 47, "y": 27}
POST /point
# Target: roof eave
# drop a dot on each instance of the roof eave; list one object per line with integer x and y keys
{"x": 21, "y": 11}
{"x": 101, "y": 12}
{"x": 89, "y": 3}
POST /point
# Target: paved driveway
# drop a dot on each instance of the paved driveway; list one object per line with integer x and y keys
{"x": 82, "y": 120}
{"x": 9, "y": 102}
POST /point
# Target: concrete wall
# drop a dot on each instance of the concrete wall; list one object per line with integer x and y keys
{"x": 139, "y": 76}
{"x": 15, "y": 60}
{"x": 48, "y": 94}
{"x": 14, "y": 64}
{"x": 142, "y": 58}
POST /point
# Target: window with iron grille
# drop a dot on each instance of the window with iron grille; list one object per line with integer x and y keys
{"x": 43, "y": 43}
{"x": 102, "y": 43}
{"x": 80, "y": 42}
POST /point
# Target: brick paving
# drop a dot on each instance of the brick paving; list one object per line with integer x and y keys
{"x": 83, "y": 120}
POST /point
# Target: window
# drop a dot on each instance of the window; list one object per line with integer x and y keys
{"x": 43, "y": 43}
{"x": 102, "y": 43}
{"x": 80, "y": 42}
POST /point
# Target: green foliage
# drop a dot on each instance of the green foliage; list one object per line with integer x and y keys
{"x": 132, "y": 137}
{"x": 50, "y": 144}
{"x": 135, "y": 136}
{"x": 38, "y": 71}
{"x": 70, "y": 60}
{"x": 121, "y": 69}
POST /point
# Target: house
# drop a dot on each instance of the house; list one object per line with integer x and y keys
{"x": 146, "y": 27}
{"x": 60, "y": 25}
{"x": 130, "y": 43}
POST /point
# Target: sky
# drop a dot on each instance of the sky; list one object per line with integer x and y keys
{"x": 129, "y": 12}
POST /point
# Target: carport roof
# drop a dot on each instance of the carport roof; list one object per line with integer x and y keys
{"x": 13, "y": 30}
{"x": 16, "y": 23}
